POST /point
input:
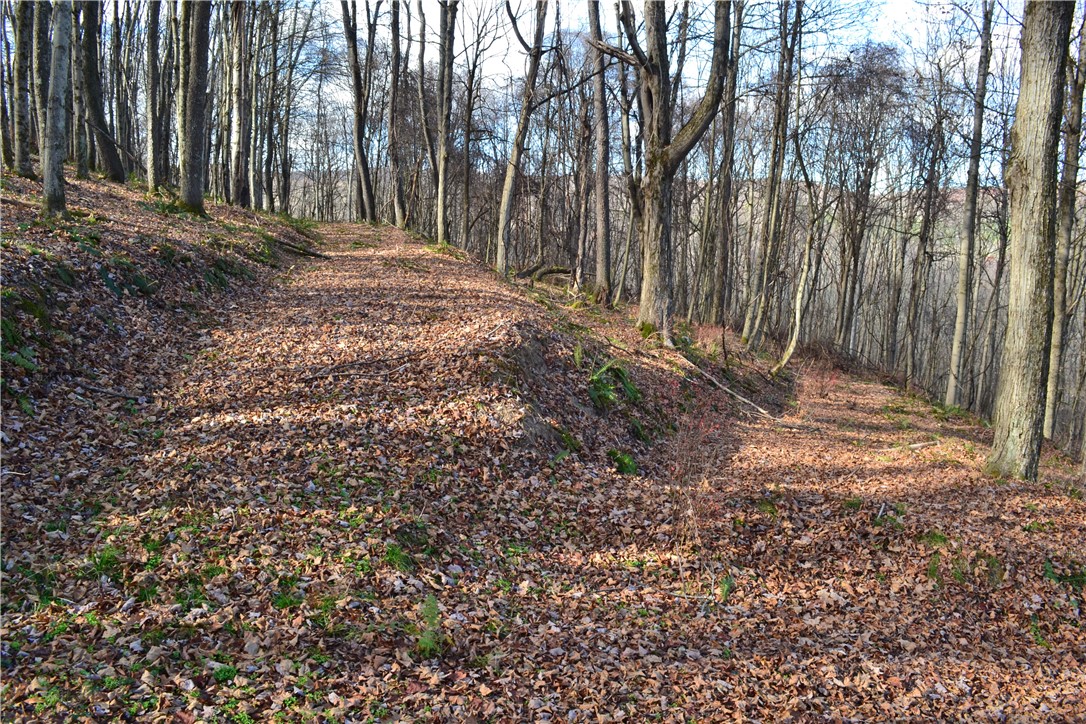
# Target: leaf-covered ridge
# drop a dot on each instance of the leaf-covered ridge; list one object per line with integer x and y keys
{"x": 383, "y": 487}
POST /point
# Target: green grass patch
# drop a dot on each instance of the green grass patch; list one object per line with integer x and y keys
{"x": 399, "y": 559}
{"x": 624, "y": 462}
{"x": 934, "y": 538}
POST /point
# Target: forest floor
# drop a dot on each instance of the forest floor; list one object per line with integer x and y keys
{"x": 386, "y": 486}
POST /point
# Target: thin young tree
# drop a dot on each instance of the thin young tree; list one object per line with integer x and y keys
{"x": 1031, "y": 180}
{"x": 444, "y": 119}
{"x": 241, "y": 98}
{"x": 79, "y": 113}
{"x": 512, "y": 168}
{"x": 969, "y": 222}
{"x": 399, "y": 210}
{"x": 1067, "y": 199}
{"x": 602, "y": 178}
{"x": 40, "y": 86}
{"x": 360, "y": 91}
{"x": 54, "y": 145}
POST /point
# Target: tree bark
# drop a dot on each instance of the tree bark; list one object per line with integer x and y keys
{"x": 969, "y": 223}
{"x": 1031, "y": 179}
{"x": 1067, "y": 198}
{"x": 55, "y": 139}
{"x": 241, "y": 126}
{"x": 444, "y": 120}
{"x": 195, "y": 26}
{"x": 602, "y": 179}
{"x": 663, "y": 152}
{"x": 42, "y": 12}
{"x": 512, "y": 168}
{"x": 92, "y": 82}
{"x": 24, "y": 29}
{"x": 399, "y": 210}
{"x": 771, "y": 224}
{"x": 154, "y": 137}
{"x": 358, "y": 127}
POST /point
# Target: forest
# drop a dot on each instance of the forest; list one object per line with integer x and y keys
{"x": 518, "y": 359}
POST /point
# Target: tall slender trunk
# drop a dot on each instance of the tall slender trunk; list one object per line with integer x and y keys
{"x": 24, "y": 30}
{"x": 512, "y": 168}
{"x": 398, "y": 209}
{"x": 771, "y": 229}
{"x": 92, "y": 81}
{"x": 154, "y": 120}
{"x": 725, "y": 230}
{"x": 6, "y": 144}
{"x": 602, "y": 189}
{"x": 195, "y": 24}
{"x": 42, "y": 11}
{"x": 444, "y": 119}
{"x": 55, "y": 140}
{"x": 469, "y": 112}
{"x": 1067, "y": 199}
{"x": 240, "y": 128}
{"x": 969, "y": 223}
{"x": 424, "y": 115}
{"x": 358, "y": 127}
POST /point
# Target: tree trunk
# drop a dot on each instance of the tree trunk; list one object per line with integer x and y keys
{"x": 771, "y": 223}
{"x": 55, "y": 139}
{"x": 240, "y": 128}
{"x": 358, "y": 127}
{"x": 424, "y": 115}
{"x": 444, "y": 120}
{"x": 663, "y": 152}
{"x": 721, "y": 290}
{"x": 1031, "y": 179}
{"x": 512, "y": 168}
{"x": 154, "y": 138}
{"x": 602, "y": 189}
{"x": 969, "y": 223}
{"x": 398, "y": 209}
{"x": 1067, "y": 197}
{"x": 195, "y": 26}
{"x": 42, "y": 12}
{"x": 24, "y": 30}
{"x": 92, "y": 81}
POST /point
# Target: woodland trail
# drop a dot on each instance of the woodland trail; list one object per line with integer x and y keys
{"x": 382, "y": 490}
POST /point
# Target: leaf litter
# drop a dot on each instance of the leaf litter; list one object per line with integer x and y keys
{"x": 383, "y": 487}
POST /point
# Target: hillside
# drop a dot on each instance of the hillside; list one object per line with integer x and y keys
{"x": 241, "y": 484}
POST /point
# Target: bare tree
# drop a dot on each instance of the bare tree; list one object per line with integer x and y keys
{"x": 399, "y": 209}
{"x": 241, "y": 98}
{"x": 444, "y": 119}
{"x": 535, "y": 52}
{"x": 155, "y": 146}
{"x": 24, "y": 28}
{"x": 969, "y": 223}
{"x": 1067, "y": 199}
{"x": 602, "y": 189}
{"x": 54, "y": 145}
{"x": 664, "y": 150}
{"x": 92, "y": 82}
{"x": 1031, "y": 179}
{"x": 360, "y": 92}
{"x": 194, "y": 35}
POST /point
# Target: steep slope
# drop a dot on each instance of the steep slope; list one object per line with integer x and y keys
{"x": 389, "y": 486}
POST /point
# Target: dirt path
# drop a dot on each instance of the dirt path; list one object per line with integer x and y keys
{"x": 383, "y": 490}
